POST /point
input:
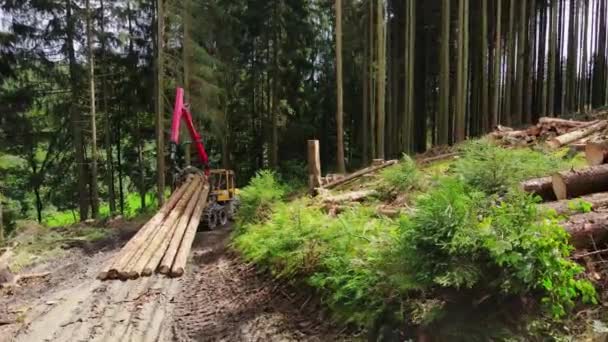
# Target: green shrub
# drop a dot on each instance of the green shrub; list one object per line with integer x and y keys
{"x": 257, "y": 199}
{"x": 493, "y": 169}
{"x": 341, "y": 257}
{"x": 460, "y": 239}
{"x": 401, "y": 177}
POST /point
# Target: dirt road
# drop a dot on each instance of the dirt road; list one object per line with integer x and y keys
{"x": 219, "y": 299}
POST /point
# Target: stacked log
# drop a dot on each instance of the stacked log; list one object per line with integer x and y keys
{"x": 542, "y": 187}
{"x": 162, "y": 238}
{"x": 577, "y": 183}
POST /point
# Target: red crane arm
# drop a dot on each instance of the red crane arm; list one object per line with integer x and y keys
{"x": 181, "y": 112}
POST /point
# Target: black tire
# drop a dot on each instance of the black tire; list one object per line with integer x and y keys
{"x": 212, "y": 219}
{"x": 222, "y": 217}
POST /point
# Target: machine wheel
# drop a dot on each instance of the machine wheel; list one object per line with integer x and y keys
{"x": 211, "y": 219}
{"x": 222, "y": 217}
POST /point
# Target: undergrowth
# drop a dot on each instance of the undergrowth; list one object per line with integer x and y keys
{"x": 473, "y": 244}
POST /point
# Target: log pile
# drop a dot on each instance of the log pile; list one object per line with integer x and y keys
{"x": 164, "y": 242}
{"x": 556, "y": 132}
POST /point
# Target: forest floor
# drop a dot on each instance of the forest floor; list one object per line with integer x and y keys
{"x": 219, "y": 299}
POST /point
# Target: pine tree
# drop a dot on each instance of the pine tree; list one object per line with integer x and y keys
{"x": 160, "y": 122}
{"x": 340, "y": 167}
{"x": 443, "y": 121}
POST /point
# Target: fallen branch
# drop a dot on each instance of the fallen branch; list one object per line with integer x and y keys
{"x": 353, "y": 196}
{"x": 359, "y": 173}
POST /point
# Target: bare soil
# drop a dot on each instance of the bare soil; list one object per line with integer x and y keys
{"x": 219, "y": 299}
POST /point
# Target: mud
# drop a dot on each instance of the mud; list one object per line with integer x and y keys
{"x": 219, "y": 299}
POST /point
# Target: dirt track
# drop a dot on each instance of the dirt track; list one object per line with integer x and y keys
{"x": 219, "y": 299}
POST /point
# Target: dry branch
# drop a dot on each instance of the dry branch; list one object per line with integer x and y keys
{"x": 359, "y": 173}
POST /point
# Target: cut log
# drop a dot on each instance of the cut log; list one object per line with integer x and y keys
{"x": 568, "y": 207}
{"x": 359, "y": 173}
{"x": 577, "y": 183}
{"x": 135, "y": 269}
{"x": 350, "y": 196}
{"x": 179, "y": 264}
{"x": 112, "y": 268}
{"x": 587, "y": 229}
{"x": 596, "y": 153}
{"x": 440, "y": 157}
{"x": 542, "y": 187}
{"x": 166, "y": 254}
{"x": 576, "y": 135}
{"x": 554, "y": 122}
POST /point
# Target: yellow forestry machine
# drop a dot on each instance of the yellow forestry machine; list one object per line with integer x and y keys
{"x": 222, "y": 201}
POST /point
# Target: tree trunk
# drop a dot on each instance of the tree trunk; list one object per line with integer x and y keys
{"x": 314, "y": 165}
{"x": 461, "y": 74}
{"x": 521, "y": 54}
{"x": 160, "y": 122}
{"x": 108, "y": 121}
{"x": 542, "y": 187}
{"x": 340, "y": 167}
{"x": 552, "y": 59}
{"x": 587, "y": 230}
{"x": 366, "y": 100}
{"x": 497, "y": 67}
{"x": 381, "y": 79}
{"x": 91, "y": 55}
{"x": 75, "y": 117}
{"x": 570, "y": 184}
{"x": 186, "y": 61}
{"x": 485, "y": 120}
{"x": 443, "y": 122}
{"x": 569, "y": 207}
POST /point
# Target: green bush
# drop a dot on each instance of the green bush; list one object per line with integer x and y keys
{"x": 459, "y": 238}
{"x": 401, "y": 177}
{"x": 341, "y": 257}
{"x": 493, "y": 169}
{"x": 258, "y": 198}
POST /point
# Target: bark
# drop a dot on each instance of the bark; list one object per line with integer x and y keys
{"x": 75, "y": 117}
{"x": 108, "y": 122}
{"x": 587, "y": 230}
{"x": 366, "y": 96}
{"x": 177, "y": 269}
{"x": 552, "y": 59}
{"x": 596, "y": 153}
{"x": 353, "y": 196}
{"x": 570, "y": 184}
{"x": 461, "y": 76}
{"x": 542, "y": 187}
{"x": 314, "y": 165}
{"x": 142, "y": 266}
{"x": 568, "y": 207}
{"x": 91, "y": 57}
{"x": 359, "y": 173}
{"x": 521, "y": 54}
{"x": 497, "y": 66}
{"x": 160, "y": 141}
{"x": 576, "y": 135}
{"x": 485, "y": 124}
{"x": 170, "y": 245}
{"x": 340, "y": 167}
{"x": 381, "y": 79}
{"x": 443, "y": 122}
{"x": 130, "y": 251}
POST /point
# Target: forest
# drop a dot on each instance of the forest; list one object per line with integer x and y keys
{"x": 457, "y": 105}
{"x": 87, "y": 87}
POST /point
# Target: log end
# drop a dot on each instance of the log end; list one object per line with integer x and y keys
{"x": 554, "y": 144}
{"x": 146, "y": 272}
{"x": 595, "y": 154}
{"x": 103, "y": 275}
{"x": 164, "y": 269}
{"x": 559, "y": 187}
{"x": 177, "y": 272}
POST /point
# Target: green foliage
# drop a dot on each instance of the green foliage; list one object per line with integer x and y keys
{"x": 401, "y": 177}
{"x": 341, "y": 257}
{"x": 580, "y": 206}
{"x": 459, "y": 238}
{"x": 258, "y": 198}
{"x": 493, "y": 169}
